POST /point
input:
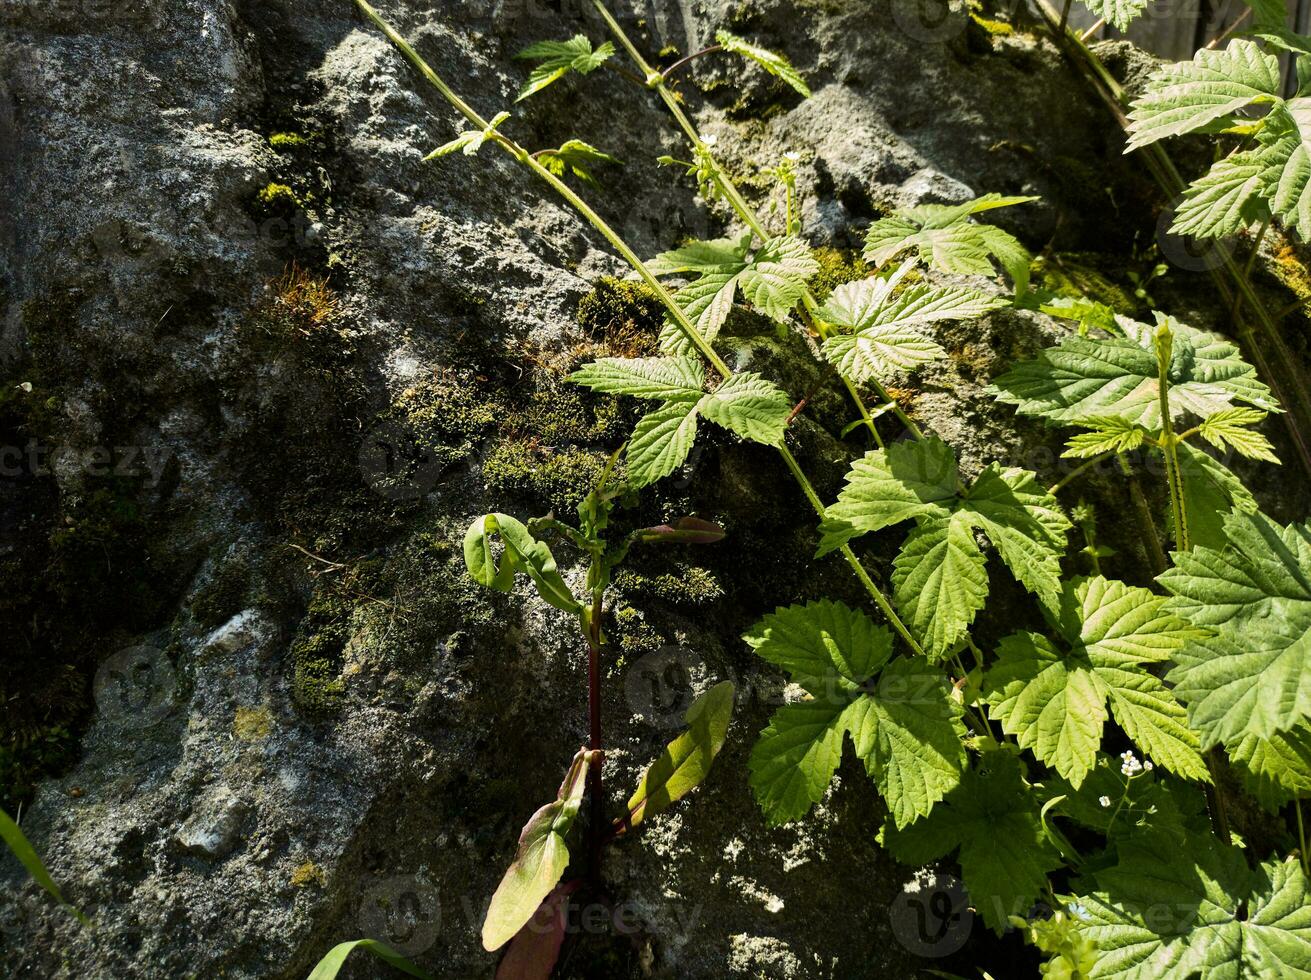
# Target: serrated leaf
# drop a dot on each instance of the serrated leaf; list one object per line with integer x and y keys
{"x": 1085, "y": 378}
{"x": 686, "y": 761}
{"x": 540, "y": 860}
{"x": 1170, "y": 913}
{"x": 523, "y": 553}
{"x": 992, "y": 819}
{"x": 666, "y": 379}
{"x": 918, "y": 481}
{"x": 1224, "y": 200}
{"x": 944, "y": 237}
{"x": 903, "y": 721}
{"x": 660, "y": 443}
{"x": 1254, "y": 676}
{"x": 1055, "y": 700}
{"x": 939, "y": 581}
{"x": 775, "y": 64}
{"x": 1232, "y": 428}
{"x": 773, "y": 279}
{"x": 749, "y": 405}
{"x": 1285, "y": 155}
{"x": 1275, "y": 770}
{"x": 1186, "y": 96}
{"x": 470, "y": 141}
{"x": 1107, "y": 434}
{"x": 1121, "y": 13}
{"x": 575, "y": 157}
{"x": 558, "y": 58}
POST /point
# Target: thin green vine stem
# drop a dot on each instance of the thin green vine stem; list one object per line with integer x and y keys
{"x": 666, "y": 298}
{"x": 1143, "y": 514}
{"x": 739, "y": 204}
{"x": 1301, "y": 839}
{"x": 1078, "y": 471}
{"x": 1169, "y": 441}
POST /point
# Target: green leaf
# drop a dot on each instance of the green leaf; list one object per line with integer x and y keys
{"x": 523, "y": 553}
{"x": 1171, "y": 913}
{"x": 1254, "y": 676}
{"x": 1230, "y": 427}
{"x": 1107, "y": 434}
{"x": 773, "y": 279}
{"x": 558, "y": 58}
{"x": 941, "y": 561}
{"x": 1211, "y": 492}
{"x": 1121, "y": 13}
{"x": 992, "y": 818}
{"x": 943, "y": 236}
{"x": 660, "y": 442}
{"x": 666, "y": 379}
{"x": 577, "y": 158}
{"x": 1275, "y": 770}
{"x": 1187, "y": 96}
{"x": 18, "y": 844}
{"x": 1285, "y": 155}
{"x": 686, "y": 760}
{"x": 328, "y": 967}
{"x": 775, "y": 64}
{"x": 939, "y": 581}
{"x": 1224, "y": 200}
{"x": 1088, "y": 313}
{"x": 470, "y": 141}
{"x": 1086, "y": 378}
{"x": 752, "y": 407}
{"x": 540, "y": 860}
{"x": 877, "y": 327}
{"x": 902, "y": 719}
{"x": 1055, "y": 701}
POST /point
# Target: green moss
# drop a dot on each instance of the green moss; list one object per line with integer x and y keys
{"x": 634, "y": 634}
{"x": 1290, "y": 269}
{"x": 1075, "y": 275}
{"x": 284, "y": 142}
{"x": 552, "y": 479}
{"x": 274, "y": 194}
{"x": 624, "y": 315}
{"x": 836, "y": 266}
{"x": 689, "y": 585}
{"x": 308, "y": 874}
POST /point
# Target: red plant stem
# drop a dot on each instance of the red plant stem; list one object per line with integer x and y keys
{"x": 596, "y": 825}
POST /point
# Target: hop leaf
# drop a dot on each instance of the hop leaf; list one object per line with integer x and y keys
{"x": 878, "y": 327}
{"x": 470, "y": 141}
{"x": 1191, "y": 95}
{"x": 939, "y": 581}
{"x": 558, "y": 58}
{"x": 745, "y": 403}
{"x": 1178, "y": 912}
{"x": 904, "y": 724}
{"x": 1086, "y": 378}
{"x": 1230, "y": 427}
{"x": 1054, "y": 700}
{"x": 1211, "y": 493}
{"x": 773, "y": 279}
{"x": 775, "y": 64}
{"x": 1121, "y": 13}
{"x": 1254, "y": 676}
{"x": 1275, "y": 770}
{"x": 1107, "y": 434}
{"x": 992, "y": 819}
{"x": 577, "y": 158}
{"x": 944, "y": 237}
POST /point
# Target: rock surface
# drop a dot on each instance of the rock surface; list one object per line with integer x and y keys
{"x": 330, "y": 732}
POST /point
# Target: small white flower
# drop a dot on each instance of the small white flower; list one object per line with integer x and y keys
{"x": 1104, "y": 801}
{"x": 1148, "y": 765}
{"x": 792, "y": 155}
{"x": 709, "y": 139}
{"x": 1130, "y": 766}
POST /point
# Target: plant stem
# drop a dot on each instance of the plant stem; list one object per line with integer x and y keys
{"x": 1143, "y": 514}
{"x": 596, "y": 825}
{"x": 1075, "y": 473}
{"x": 1228, "y": 278}
{"x": 683, "y": 61}
{"x": 1301, "y": 839}
{"x": 1169, "y": 441}
{"x": 666, "y": 298}
{"x": 1215, "y": 799}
